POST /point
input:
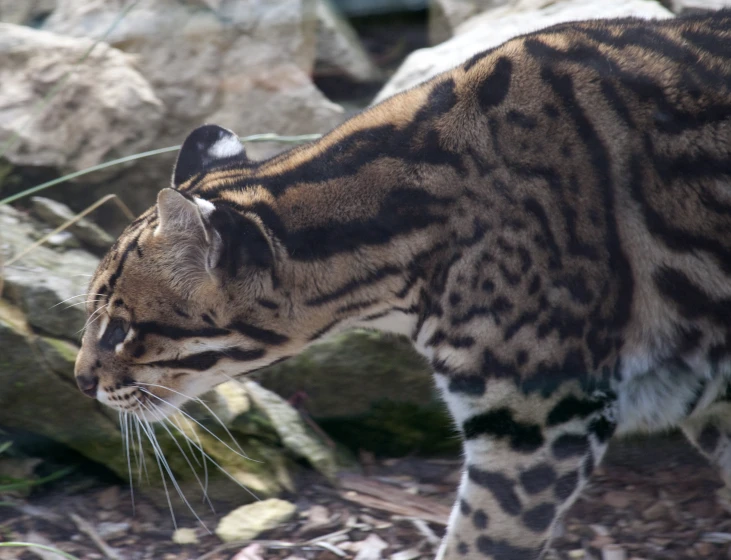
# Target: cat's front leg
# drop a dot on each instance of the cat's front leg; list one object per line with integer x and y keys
{"x": 527, "y": 458}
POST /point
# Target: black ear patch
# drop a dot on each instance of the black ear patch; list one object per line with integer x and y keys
{"x": 244, "y": 242}
{"x": 204, "y": 148}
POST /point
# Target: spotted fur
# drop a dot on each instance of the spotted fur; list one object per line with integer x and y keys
{"x": 549, "y": 223}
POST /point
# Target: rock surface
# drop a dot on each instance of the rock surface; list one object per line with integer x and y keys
{"x": 367, "y": 391}
{"x": 39, "y": 394}
{"x": 105, "y": 108}
{"x": 496, "y": 26}
{"x": 43, "y": 278}
{"x": 294, "y": 434}
{"x": 25, "y": 12}
{"x": 247, "y": 522}
{"x": 56, "y": 213}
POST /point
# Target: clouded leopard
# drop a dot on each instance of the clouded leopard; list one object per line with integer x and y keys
{"x": 549, "y": 223}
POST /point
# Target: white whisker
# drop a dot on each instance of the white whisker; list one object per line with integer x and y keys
{"x": 200, "y": 448}
{"x": 80, "y": 303}
{"x": 74, "y": 297}
{"x": 150, "y": 433}
{"x": 161, "y": 420}
{"x": 142, "y": 453}
{"x": 125, "y": 433}
{"x": 240, "y": 451}
{"x": 151, "y": 410}
{"x": 69, "y": 299}
{"x": 89, "y": 321}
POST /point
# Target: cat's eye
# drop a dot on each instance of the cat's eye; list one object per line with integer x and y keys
{"x": 115, "y": 333}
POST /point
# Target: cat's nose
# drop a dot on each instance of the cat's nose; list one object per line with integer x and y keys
{"x": 88, "y": 384}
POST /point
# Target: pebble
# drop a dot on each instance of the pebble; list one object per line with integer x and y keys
{"x": 185, "y": 536}
{"x": 247, "y": 522}
{"x": 110, "y": 530}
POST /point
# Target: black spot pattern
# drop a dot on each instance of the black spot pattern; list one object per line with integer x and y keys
{"x": 538, "y": 478}
{"x": 479, "y": 520}
{"x": 472, "y": 385}
{"x": 503, "y": 550}
{"x": 523, "y": 437}
{"x": 539, "y": 518}
{"x": 570, "y": 445}
{"x": 501, "y": 487}
{"x": 566, "y": 485}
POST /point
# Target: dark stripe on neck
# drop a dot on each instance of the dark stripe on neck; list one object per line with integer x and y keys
{"x": 206, "y": 360}
{"x": 265, "y": 336}
{"x": 177, "y": 333}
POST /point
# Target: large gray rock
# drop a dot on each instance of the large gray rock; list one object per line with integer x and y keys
{"x": 496, "y": 26}
{"x": 39, "y": 395}
{"x": 103, "y": 110}
{"x": 245, "y": 64}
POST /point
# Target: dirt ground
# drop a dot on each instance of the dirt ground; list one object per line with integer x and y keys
{"x": 652, "y": 499}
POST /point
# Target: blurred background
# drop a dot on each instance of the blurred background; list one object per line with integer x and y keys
{"x": 343, "y": 452}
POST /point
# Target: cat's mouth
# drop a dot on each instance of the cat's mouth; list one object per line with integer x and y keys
{"x": 147, "y": 401}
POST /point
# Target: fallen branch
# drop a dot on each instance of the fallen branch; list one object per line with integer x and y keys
{"x": 376, "y": 495}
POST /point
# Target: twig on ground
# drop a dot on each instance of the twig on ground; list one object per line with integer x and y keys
{"x": 331, "y": 547}
{"x": 376, "y": 495}
{"x": 329, "y": 536}
{"x": 86, "y": 528}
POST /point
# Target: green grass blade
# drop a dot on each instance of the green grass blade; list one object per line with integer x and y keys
{"x": 23, "y": 484}
{"x": 267, "y": 137}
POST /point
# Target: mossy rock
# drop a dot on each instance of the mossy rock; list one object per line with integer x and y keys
{"x": 368, "y": 391}
{"x": 395, "y": 429}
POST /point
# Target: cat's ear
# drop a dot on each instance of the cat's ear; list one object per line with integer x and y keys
{"x": 205, "y": 148}
{"x": 193, "y": 247}
{"x": 182, "y": 215}
{"x": 212, "y": 238}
